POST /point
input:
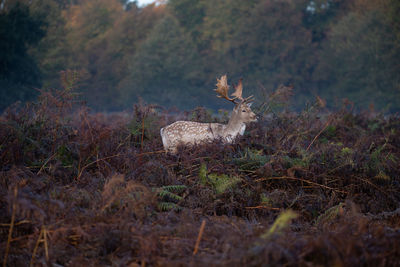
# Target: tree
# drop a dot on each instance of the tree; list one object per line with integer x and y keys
{"x": 51, "y": 53}
{"x": 359, "y": 60}
{"x": 19, "y": 73}
{"x": 271, "y": 46}
{"x": 164, "y": 68}
{"x": 100, "y": 37}
{"x": 320, "y": 14}
{"x": 88, "y": 30}
{"x": 190, "y": 15}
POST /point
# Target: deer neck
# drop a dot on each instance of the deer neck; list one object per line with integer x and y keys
{"x": 235, "y": 126}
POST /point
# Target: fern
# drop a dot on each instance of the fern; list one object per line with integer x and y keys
{"x": 174, "y": 188}
{"x": 281, "y": 223}
{"x": 382, "y": 176}
{"x": 223, "y": 182}
{"x": 219, "y": 182}
{"x": 168, "y": 195}
{"x": 170, "y": 191}
{"x": 203, "y": 174}
{"x": 167, "y": 206}
{"x": 251, "y": 160}
{"x": 330, "y": 214}
{"x": 265, "y": 200}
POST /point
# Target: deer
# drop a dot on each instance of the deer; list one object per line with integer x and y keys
{"x": 191, "y": 133}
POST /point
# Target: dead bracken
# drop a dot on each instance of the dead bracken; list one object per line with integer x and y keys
{"x": 313, "y": 188}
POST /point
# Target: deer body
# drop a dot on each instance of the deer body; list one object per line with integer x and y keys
{"x": 190, "y": 132}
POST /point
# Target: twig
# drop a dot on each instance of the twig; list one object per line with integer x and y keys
{"x": 42, "y": 238}
{"x": 262, "y": 207}
{"x": 142, "y": 138}
{"x": 46, "y": 248}
{"x": 14, "y": 208}
{"x": 113, "y": 156}
{"x": 45, "y": 163}
{"x": 196, "y": 247}
{"x": 301, "y": 180}
{"x": 94, "y": 162}
{"x": 190, "y": 160}
{"x": 373, "y": 185}
{"x": 18, "y": 223}
{"x": 320, "y": 132}
{"x": 90, "y": 128}
{"x": 36, "y": 246}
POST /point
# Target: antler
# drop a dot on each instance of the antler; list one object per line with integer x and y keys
{"x": 238, "y": 90}
{"x": 223, "y": 88}
{"x": 248, "y": 99}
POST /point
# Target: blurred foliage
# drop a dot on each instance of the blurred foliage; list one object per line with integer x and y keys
{"x": 170, "y": 53}
{"x": 164, "y": 79}
{"x": 280, "y": 224}
{"x": 20, "y": 28}
{"x": 358, "y": 61}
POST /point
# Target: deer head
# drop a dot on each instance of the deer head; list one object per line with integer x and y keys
{"x": 242, "y": 112}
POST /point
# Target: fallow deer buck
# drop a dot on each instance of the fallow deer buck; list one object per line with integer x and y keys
{"x": 190, "y": 132}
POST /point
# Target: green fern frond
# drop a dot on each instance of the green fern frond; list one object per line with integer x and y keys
{"x": 167, "y": 206}
{"x": 223, "y": 182}
{"x": 282, "y": 222}
{"x": 174, "y": 188}
{"x": 203, "y": 174}
{"x": 219, "y": 182}
{"x": 330, "y": 214}
{"x": 251, "y": 159}
{"x": 166, "y": 194}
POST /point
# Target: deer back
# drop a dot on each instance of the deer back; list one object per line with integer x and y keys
{"x": 189, "y": 132}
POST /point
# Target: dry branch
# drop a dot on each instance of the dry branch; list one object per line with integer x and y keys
{"x": 301, "y": 180}
{"x": 14, "y": 208}
{"x": 320, "y": 132}
{"x": 196, "y": 247}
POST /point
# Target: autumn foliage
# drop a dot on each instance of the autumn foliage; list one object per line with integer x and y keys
{"x": 172, "y": 51}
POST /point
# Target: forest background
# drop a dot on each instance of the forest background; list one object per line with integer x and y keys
{"x": 171, "y": 52}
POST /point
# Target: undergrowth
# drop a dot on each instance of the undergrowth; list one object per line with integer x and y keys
{"x": 313, "y": 188}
